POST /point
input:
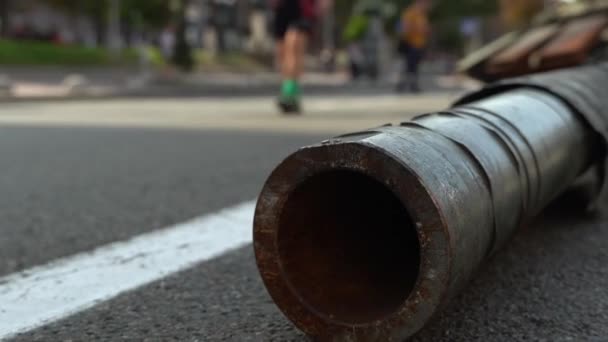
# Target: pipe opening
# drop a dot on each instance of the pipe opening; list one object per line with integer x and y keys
{"x": 348, "y": 247}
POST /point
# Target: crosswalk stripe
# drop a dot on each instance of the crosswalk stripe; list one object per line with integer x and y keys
{"x": 48, "y": 293}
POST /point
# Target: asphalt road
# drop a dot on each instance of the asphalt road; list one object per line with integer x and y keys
{"x": 80, "y": 175}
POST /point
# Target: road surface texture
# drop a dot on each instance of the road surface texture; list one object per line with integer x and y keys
{"x": 80, "y": 175}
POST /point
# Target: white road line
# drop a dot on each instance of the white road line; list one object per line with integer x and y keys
{"x": 45, "y": 294}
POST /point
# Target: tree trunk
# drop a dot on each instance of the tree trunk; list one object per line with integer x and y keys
{"x": 100, "y": 29}
{"x": 4, "y": 15}
{"x": 182, "y": 57}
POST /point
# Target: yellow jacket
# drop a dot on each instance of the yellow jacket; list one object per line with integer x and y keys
{"x": 416, "y": 27}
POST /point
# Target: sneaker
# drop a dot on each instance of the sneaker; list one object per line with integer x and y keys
{"x": 289, "y": 106}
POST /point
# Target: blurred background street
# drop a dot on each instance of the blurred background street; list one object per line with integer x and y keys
{"x": 110, "y": 48}
{"x": 104, "y": 138}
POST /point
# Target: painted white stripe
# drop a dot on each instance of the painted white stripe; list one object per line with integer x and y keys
{"x": 48, "y": 293}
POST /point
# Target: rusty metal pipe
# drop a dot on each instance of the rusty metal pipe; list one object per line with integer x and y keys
{"x": 366, "y": 236}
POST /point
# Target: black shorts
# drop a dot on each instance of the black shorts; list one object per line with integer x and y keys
{"x": 289, "y": 15}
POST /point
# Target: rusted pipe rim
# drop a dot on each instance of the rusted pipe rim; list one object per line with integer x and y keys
{"x": 368, "y": 161}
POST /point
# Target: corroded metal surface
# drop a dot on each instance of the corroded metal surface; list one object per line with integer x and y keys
{"x": 514, "y": 59}
{"x": 561, "y": 37}
{"x": 574, "y": 43}
{"x": 366, "y": 236}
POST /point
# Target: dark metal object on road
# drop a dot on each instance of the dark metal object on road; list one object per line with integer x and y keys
{"x": 366, "y": 236}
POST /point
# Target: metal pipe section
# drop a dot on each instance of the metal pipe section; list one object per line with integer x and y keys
{"x": 366, "y": 236}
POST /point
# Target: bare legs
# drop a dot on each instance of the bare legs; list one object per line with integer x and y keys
{"x": 292, "y": 53}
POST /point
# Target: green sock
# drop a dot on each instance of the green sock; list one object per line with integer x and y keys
{"x": 290, "y": 89}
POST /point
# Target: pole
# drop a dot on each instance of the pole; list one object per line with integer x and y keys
{"x": 329, "y": 27}
{"x": 113, "y": 31}
{"x": 365, "y": 237}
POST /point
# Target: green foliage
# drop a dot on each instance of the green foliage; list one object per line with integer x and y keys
{"x": 38, "y": 53}
{"x": 456, "y": 9}
{"x": 147, "y": 13}
{"x": 443, "y": 9}
{"x": 94, "y": 8}
{"x": 229, "y": 61}
{"x": 151, "y": 13}
{"x": 447, "y": 16}
{"x": 449, "y": 37}
{"x": 155, "y": 56}
{"x": 355, "y": 28}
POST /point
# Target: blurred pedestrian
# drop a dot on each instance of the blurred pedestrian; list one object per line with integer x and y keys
{"x": 414, "y": 33}
{"x": 167, "y": 43}
{"x": 353, "y": 35}
{"x": 293, "y": 24}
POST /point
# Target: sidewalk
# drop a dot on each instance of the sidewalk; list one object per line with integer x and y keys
{"x": 324, "y": 115}
{"x": 98, "y": 83}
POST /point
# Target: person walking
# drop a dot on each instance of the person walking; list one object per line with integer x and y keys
{"x": 293, "y": 23}
{"x": 167, "y": 41}
{"x": 415, "y": 31}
